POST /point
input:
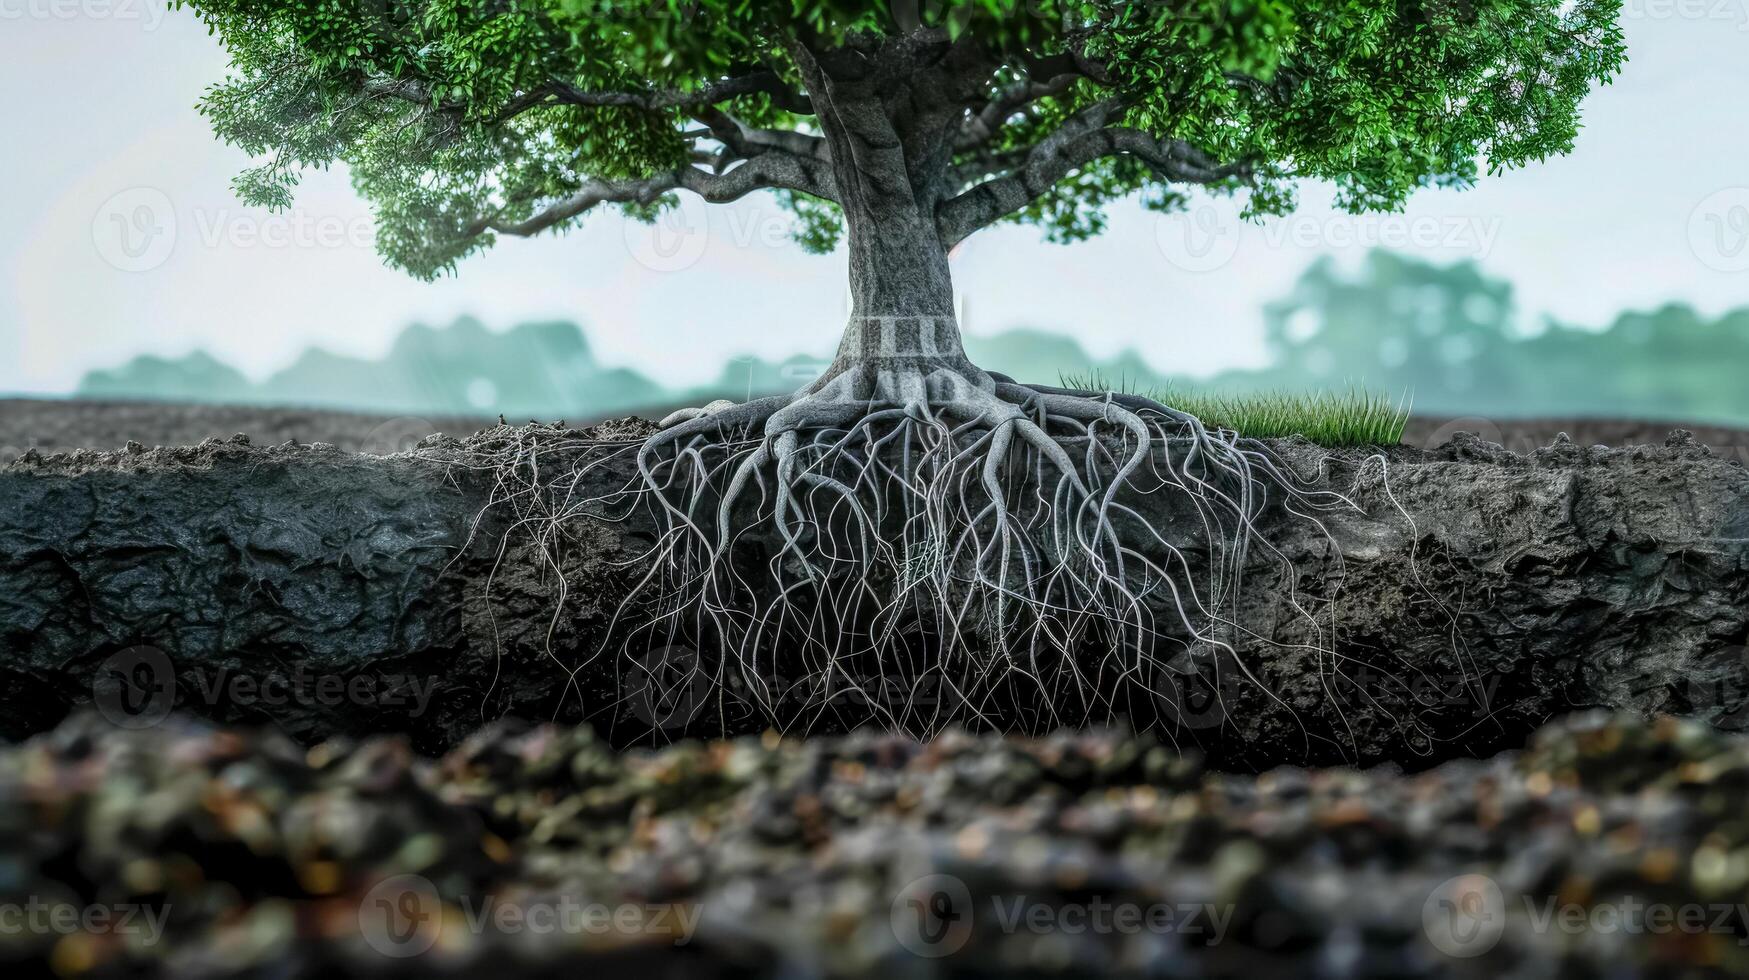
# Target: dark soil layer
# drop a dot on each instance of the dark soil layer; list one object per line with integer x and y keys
{"x": 1478, "y": 592}
{"x": 54, "y": 426}
{"x": 1525, "y": 435}
{"x": 332, "y": 596}
{"x": 1610, "y": 847}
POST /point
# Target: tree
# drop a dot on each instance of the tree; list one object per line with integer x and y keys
{"x": 908, "y": 125}
{"x": 903, "y": 128}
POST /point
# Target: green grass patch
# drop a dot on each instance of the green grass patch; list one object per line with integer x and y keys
{"x": 1354, "y": 417}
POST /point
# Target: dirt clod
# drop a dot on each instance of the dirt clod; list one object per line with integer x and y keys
{"x": 1084, "y": 855}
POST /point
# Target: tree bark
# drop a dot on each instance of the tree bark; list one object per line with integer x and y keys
{"x": 887, "y": 130}
{"x": 898, "y": 267}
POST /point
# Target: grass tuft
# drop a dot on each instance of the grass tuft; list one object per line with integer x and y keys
{"x": 1354, "y": 417}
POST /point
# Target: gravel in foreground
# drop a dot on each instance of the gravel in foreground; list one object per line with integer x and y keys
{"x": 1609, "y": 846}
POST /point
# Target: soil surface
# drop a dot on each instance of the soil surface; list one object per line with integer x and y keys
{"x": 63, "y": 425}
{"x": 49, "y": 425}
{"x": 1609, "y": 847}
{"x": 1524, "y": 435}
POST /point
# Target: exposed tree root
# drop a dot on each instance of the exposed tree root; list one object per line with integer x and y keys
{"x": 926, "y": 545}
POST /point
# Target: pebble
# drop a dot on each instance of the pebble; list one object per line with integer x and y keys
{"x": 800, "y": 857}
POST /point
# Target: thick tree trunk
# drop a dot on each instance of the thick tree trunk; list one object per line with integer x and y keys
{"x": 903, "y": 340}
{"x": 903, "y": 321}
{"x": 884, "y": 144}
{"x": 898, "y": 266}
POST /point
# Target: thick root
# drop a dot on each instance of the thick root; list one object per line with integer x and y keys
{"x": 930, "y": 545}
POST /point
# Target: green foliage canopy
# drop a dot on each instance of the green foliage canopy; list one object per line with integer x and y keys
{"x": 462, "y": 120}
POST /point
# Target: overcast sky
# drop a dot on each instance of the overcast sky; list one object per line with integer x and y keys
{"x": 119, "y": 235}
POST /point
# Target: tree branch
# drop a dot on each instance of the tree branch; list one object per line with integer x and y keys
{"x": 771, "y": 170}
{"x": 747, "y": 141}
{"x": 983, "y": 126}
{"x": 1082, "y": 140}
{"x": 766, "y": 82}
{"x": 559, "y": 92}
{"x": 1276, "y": 91}
{"x": 1073, "y": 61}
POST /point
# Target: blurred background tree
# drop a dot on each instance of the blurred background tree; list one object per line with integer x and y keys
{"x": 1448, "y": 336}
